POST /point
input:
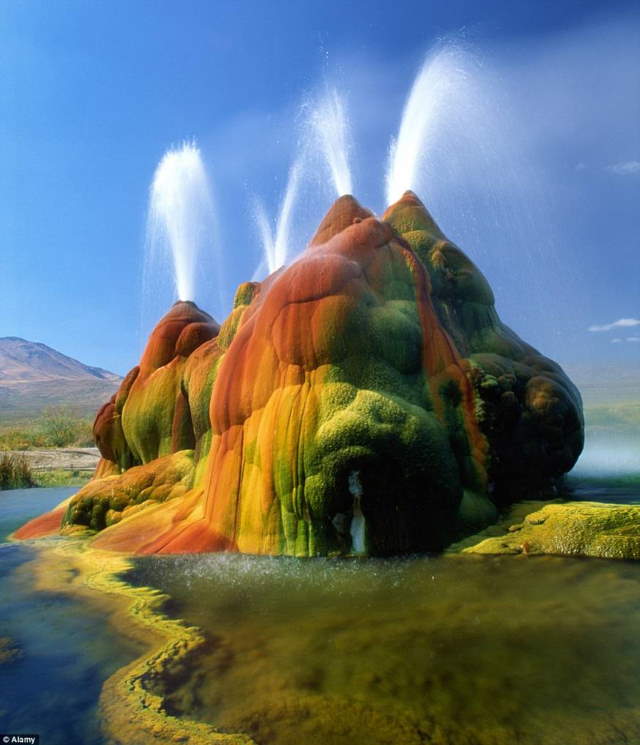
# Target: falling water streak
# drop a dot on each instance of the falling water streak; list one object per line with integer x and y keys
{"x": 330, "y": 127}
{"x": 442, "y": 74}
{"x": 266, "y": 238}
{"x": 181, "y": 214}
{"x": 283, "y": 228}
{"x": 357, "y": 528}
{"x": 275, "y": 245}
{"x": 325, "y": 133}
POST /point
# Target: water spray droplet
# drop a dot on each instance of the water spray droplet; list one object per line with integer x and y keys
{"x": 330, "y": 128}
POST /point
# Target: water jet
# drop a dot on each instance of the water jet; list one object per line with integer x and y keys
{"x": 275, "y": 243}
{"x": 440, "y": 87}
{"x": 330, "y": 135}
{"x": 181, "y": 221}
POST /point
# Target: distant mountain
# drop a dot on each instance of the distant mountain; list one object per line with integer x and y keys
{"x": 23, "y": 361}
{"x": 34, "y": 376}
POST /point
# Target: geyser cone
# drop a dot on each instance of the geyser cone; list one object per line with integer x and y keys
{"x": 351, "y": 402}
{"x": 123, "y": 433}
{"x": 156, "y": 417}
{"x": 345, "y": 211}
{"x": 409, "y": 213}
{"x": 147, "y": 430}
{"x": 531, "y": 412}
{"x": 330, "y": 376}
{"x": 456, "y": 282}
{"x": 178, "y": 332}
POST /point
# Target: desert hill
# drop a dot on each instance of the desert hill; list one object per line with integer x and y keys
{"x": 34, "y": 376}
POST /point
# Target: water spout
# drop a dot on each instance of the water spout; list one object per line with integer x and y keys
{"x": 267, "y": 239}
{"x": 440, "y": 83}
{"x": 275, "y": 244}
{"x": 181, "y": 214}
{"x": 330, "y": 129}
{"x": 283, "y": 227}
{"x": 325, "y": 134}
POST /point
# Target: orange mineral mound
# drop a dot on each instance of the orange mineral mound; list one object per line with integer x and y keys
{"x": 361, "y": 400}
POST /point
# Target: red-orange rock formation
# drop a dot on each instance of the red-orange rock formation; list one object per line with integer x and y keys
{"x": 363, "y": 399}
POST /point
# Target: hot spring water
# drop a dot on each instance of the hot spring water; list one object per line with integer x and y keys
{"x": 438, "y": 91}
{"x": 329, "y": 133}
{"x": 358, "y": 525}
{"x": 425, "y": 651}
{"x": 438, "y": 651}
{"x": 454, "y": 146}
{"x": 60, "y": 650}
{"x": 457, "y": 145}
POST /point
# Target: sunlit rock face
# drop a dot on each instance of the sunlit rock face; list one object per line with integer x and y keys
{"x": 150, "y": 416}
{"x": 365, "y": 399}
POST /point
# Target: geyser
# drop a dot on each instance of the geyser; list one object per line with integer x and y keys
{"x": 330, "y": 131}
{"x": 325, "y": 133}
{"x": 440, "y": 88}
{"x": 181, "y": 215}
{"x": 275, "y": 243}
{"x": 365, "y": 399}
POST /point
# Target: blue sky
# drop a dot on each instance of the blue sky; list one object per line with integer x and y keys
{"x": 543, "y": 192}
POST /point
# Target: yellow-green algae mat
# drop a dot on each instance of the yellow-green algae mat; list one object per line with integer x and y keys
{"x": 590, "y": 529}
{"x": 132, "y": 713}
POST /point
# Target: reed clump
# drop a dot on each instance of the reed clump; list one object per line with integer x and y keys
{"x": 15, "y": 472}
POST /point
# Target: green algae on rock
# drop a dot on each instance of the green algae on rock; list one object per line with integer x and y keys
{"x": 607, "y": 531}
{"x": 529, "y": 410}
{"x": 106, "y": 500}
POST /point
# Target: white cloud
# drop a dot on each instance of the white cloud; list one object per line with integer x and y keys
{"x": 617, "y": 340}
{"x": 620, "y": 323}
{"x": 626, "y": 168}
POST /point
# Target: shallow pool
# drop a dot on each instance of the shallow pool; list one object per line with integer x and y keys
{"x": 447, "y": 651}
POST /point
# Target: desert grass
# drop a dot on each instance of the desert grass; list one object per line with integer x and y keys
{"x": 15, "y": 472}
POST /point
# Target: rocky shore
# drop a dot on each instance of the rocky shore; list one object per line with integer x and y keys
{"x": 61, "y": 459}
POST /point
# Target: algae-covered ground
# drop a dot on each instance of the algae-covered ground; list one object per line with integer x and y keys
{"x": 451, "y": 650}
